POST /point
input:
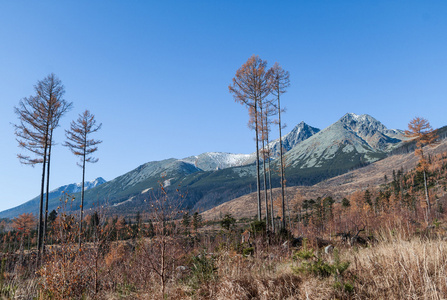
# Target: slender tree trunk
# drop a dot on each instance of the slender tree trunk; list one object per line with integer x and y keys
{"x": 162, "y": 271}
{"x": 82, "y": 200}
{"x": 282, "y": 166}
{"x": 258, "y": 179}
{"x": 272, "y": 214}
{"x": 264, "y": 170}
{"x": 45, "y": 224}
{"x": 265, "y": 190}
{"x": 42, "y": 190}
{"x": 427, "y": 198}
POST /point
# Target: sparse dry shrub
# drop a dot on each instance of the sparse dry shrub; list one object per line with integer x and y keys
{"x": 159, "y": 258}
{"x": 65, "y": 274}
{"x": 116, "y": 254}
{"x": 70, "y": 272}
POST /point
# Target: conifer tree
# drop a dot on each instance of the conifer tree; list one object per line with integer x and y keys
{"x": 249, "y": 87}
{"x": 186, "y": 222}
{"x": 38, "y": 116}
{"x": 421, "y": 130}
{"x": 196, "y": 221}
{"x": 80, "y": 144}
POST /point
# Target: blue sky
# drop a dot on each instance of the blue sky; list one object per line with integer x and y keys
{"x": 156, "y": 73}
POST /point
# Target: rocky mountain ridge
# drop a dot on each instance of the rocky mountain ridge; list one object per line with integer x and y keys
{"x": 357, "y": 138}
{"x": 213, "y": 178}
{"x": 53, "y": 197}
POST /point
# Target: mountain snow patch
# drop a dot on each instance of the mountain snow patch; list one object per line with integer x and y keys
{"x": 146, "y": 190}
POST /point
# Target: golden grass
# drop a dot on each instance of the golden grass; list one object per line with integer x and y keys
{"x": 400, "y": 266}
{"x": 402, "y": 269}
{"x": 396, "y": 268}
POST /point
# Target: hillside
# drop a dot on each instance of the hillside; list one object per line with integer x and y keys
{"x": 338, "y": 187}
{"x": 204, "y": 181}
{"x": 53, "y": 198}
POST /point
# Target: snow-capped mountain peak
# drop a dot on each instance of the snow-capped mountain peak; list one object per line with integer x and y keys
{"x": 209, "y": 161}
{"x": 76, "y": 187}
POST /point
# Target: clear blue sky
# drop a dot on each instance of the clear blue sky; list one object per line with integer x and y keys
{"x": 156, "y": 73}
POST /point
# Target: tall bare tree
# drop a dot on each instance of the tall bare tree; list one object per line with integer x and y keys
{"x": 279, "y": 82}
{"x": 80, "y": 144}
{"x": 421, "y": 130}
{"x": 52, "y": 91}
{"x": 268, "y": 111}
{"x": 38, "y": 116}
{"x": 249, "y": 87}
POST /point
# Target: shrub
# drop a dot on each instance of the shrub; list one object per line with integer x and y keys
{"x": 203, "y": 269}
{"x": 317, "y": 266}
{"x": 248, "y": 251}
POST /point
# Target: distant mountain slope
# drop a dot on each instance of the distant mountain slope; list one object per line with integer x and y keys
{"x": 338, "y": 187}
{"x": 138, "y": 182}
{"x": 352, "y": 141}
{"x": 212, "y": 178}
{"x": 210, "y": 161}
{"x": 53, "y": 198}
{"x": 299, "y": 133}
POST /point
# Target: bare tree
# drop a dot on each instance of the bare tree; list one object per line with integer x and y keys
{"x": 80, "y": 144}
{"x": 38, "y": 116}
{"x": 268, "y": 111}
{"x": 421, "y": 130}
{"x": 163, "y": 250}
{"x": 279, "y": 81}
{"x": 51, "y": 90}
{"x": 249, "y": 87}
{"x": 262, "y": 130}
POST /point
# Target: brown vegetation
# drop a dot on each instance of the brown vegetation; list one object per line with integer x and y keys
{"x": 338, "y": 187}
{"x": 401, "y": 265}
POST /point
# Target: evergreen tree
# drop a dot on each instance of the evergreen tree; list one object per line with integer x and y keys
{"x": 227, "y": 222}
{"x": 186, "y": 222}
{"x": 196, "y": 221}
{"x": 367, "y": 198}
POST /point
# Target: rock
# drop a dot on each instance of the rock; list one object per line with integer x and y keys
{"x": 181, "y": 268}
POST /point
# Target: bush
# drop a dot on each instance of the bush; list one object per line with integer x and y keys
{"x": 203, "y": 270}
{"x": 248, "y": 251}
{"x": 257, "y": 227}
{"x": 304, "y": 253}
{"x": 317, "y": 266}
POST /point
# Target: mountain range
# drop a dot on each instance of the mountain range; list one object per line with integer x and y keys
{"x": 54, "y": 196}
{"x": 212, "y": 178}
